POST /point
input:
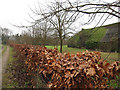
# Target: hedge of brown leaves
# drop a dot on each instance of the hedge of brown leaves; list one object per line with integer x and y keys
{"x": 82, "y": 70}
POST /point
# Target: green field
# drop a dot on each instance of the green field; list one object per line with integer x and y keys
{"x": 67, "y": 49}
{"x": 112, "y": 56}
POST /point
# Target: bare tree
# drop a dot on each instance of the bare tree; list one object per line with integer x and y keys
{"x": 41, "y": 31}
{"x": 45, "y": 28}
{"x": 60, "y": 21}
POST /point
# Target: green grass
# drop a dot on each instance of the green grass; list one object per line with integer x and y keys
{"x": 115, "y": 83}
{"x": 67, "y": 49}
{"x": 111, "y": 56}
{"x": 11, "y": 53}
{"x": 4, "y": 48}
{"x": 0, "y": 46}
{"x": 97, "y": 35}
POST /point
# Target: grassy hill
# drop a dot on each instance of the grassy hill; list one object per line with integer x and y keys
{"x": 96, "y": 34}
{"x": 90, "y": 38}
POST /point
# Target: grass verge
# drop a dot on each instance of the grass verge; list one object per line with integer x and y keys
{"x": 0, "y": 46}
{"x": 4, "y": 49}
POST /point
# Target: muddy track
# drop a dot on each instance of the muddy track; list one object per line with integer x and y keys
{"x": 3, "y": 63}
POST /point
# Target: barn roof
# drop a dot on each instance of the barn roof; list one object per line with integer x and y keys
{"x": 111, "y": 32}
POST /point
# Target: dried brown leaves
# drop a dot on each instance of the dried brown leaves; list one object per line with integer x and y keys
{"x": 83, "y": 70}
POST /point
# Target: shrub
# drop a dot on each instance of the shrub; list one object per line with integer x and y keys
{"x": 91, "y": 44}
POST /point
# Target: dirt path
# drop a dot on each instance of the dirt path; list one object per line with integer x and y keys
{"x": 3, "y": 63}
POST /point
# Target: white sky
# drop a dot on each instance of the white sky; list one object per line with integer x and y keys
{"x": 16, "y": 12}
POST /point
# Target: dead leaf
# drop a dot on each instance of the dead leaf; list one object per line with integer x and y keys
{"x": 91, "y": 72}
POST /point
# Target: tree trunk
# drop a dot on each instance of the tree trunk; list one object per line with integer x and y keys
{"x": 61, "y": 45}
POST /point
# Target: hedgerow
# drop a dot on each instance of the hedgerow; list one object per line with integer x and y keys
{"x": 81, "y": 70}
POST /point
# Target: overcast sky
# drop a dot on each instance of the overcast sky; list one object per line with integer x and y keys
{"x": 16, "y": 12}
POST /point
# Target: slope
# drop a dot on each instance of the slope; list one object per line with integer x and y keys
{"x": 91, "y": 38}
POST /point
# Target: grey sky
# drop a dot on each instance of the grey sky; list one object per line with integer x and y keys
{"x": 16, "y": 12}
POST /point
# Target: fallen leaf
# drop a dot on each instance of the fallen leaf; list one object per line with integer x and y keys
{"x": 91, "y": 72}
